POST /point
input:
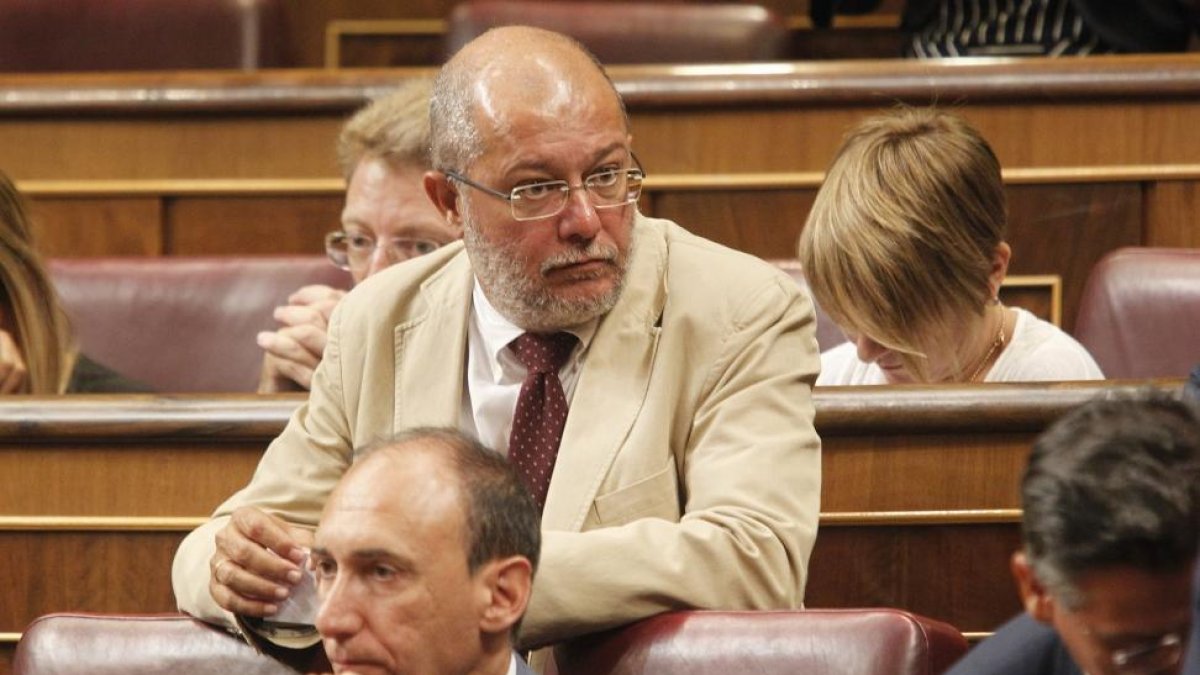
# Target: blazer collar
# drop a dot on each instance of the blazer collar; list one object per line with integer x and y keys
{"x": 431, "y": 349}
{"x": 612, "y": 385}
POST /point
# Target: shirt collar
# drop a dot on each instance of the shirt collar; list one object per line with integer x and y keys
{"x": 497, "y": 331}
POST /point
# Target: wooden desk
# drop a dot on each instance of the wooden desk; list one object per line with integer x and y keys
{"x": 748, "y": 118}
{"x": 919, "y": 507}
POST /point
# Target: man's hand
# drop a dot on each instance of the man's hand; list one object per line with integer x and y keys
{"x": 12, "y": 365}
{"x": 257, "y": 562}
{"x": 293, "y": 351}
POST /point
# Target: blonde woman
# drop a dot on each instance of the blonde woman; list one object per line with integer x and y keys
{"x": 904, "y": 249}
{"x": 37, "y": 351}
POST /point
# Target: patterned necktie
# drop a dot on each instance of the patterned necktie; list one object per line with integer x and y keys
{"x": 541, "y": 410}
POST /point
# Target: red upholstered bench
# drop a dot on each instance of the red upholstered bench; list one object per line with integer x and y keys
{"x": 182, "y": 324}
{"x": 825, "y": 641}
{"x": 636, "y": 32}
{"x": 830, "y": 642}
{"x": 1140, "y": 312}
{"x": 76, "y": 35}
{"x": 136, "y": 644}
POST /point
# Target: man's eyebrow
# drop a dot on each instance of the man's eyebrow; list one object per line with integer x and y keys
{"x": 375, "y": 554}
{"x": 607, "y": 150}
{"x": 539, "y": 164}
{"x": 319, "y": 551}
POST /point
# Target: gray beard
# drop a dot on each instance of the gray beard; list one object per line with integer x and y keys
{"x": 530, "y": 303}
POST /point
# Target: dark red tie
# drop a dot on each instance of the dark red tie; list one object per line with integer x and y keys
{"x": 541, "y": 410}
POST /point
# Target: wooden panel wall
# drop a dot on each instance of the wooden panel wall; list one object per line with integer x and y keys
{"x": 738, "y": 119}
{"x": 918, "y": 508}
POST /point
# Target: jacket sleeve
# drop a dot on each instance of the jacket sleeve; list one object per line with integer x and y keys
{"x": 293, "y": 480}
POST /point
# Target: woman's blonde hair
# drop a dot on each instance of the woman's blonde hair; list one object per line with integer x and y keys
{"x": 900, "y": 242}
{"x": 29, "y": 303}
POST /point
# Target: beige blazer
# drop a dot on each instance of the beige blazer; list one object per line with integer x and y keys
{"x": 689, "y": 471}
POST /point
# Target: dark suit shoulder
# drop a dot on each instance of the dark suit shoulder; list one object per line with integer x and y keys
{"x": 1020, "y": 647}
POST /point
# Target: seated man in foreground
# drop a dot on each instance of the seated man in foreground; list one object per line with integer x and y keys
{"x": 424, "y": 559}
{"x": 674, "y": 374}
{"x": 1111, "y": 502}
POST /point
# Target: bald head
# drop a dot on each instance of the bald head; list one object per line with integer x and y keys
{"x": 506, "y": 74}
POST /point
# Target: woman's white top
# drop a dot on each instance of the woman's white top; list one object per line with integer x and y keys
{"x": 1038, "y": 352}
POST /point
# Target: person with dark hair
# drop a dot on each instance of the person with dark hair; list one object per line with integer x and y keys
{"x": 940, "y": 28}
{"x": 1111, "y": 500}
{"x": 424, "y": 559}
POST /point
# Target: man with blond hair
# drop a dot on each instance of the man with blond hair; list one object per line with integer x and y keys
{"x": 383, "y": 151}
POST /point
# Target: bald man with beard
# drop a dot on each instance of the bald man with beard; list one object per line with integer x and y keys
{"x": 678, "y": 372}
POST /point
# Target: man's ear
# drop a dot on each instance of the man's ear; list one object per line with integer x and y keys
{"x": 1034, "y": 597}
{"x": 444, "y": 195}
{"x": 508, "y": 583}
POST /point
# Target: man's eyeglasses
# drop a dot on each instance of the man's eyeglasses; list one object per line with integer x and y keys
{"x": 348, "y": 249}
{"x": 1153, "y": 657}
{"x": 605, "y": 189}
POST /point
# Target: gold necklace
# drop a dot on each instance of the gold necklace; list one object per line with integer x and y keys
{"x": 997, "y": 345}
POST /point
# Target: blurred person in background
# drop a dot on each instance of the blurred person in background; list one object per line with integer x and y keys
{"x": 941, "y": 28}
{"x": 38, "y": 354}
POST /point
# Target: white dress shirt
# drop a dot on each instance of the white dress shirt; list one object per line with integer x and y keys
{"x": 494, "y": 375}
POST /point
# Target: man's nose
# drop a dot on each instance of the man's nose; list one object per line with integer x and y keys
{"x": 382, "y": 258}
{"x": 579, "y": 219}
{"x": 338, "y": 615}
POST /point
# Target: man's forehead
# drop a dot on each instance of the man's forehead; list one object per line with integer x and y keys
{"x": 394, "y": 479}
{"x": 552, "y": 81}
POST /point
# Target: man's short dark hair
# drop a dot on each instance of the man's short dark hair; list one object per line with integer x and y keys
{"x": 1113, "y": 483}
{"x": 500, "y": 515}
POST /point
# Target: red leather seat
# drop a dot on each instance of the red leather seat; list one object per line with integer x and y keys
{"x": 90, "y": 35}
{"x": 826, "y": 641}
{"x": 182, "y": 324}
{"x": 1140, "y": 312}
{"x": 636, "y": 32}
{"x": 93, "y": 644}
{"x": 830, "y": 642}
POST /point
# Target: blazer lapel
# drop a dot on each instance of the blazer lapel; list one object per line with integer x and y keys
{"x": 612, "y": 385}
{"x": 431, "y": 350}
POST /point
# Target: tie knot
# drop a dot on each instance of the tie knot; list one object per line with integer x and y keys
{"x": 543, "y": 352}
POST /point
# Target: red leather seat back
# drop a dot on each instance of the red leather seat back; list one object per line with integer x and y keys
{"x": 1140, "y": 312}
{"x": 830, "y": 642}
{"x": 91, "y": 35}
{"x": 183, "y": 324}
{"x": 82, "y": 644}
{"x": 636, "y": 32}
